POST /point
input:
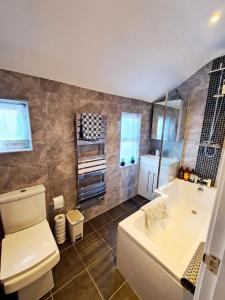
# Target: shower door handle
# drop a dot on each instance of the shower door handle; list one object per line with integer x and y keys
{"x": 153, "y": 182}
{"x": 148, "y": 180}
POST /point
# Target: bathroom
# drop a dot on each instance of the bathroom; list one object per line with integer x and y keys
{"x": 161, "y": 107}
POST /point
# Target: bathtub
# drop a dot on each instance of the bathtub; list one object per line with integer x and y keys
{"x": 154, "y": 259}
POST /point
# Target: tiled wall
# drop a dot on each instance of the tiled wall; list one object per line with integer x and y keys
{"x": 194, "y": 90}
{"x": 199, "y": 90}
{"x": 52, "y": 162}
{"x": 207, "y": 167}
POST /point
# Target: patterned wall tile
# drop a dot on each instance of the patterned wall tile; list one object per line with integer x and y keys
{"x": 207, "y": 167}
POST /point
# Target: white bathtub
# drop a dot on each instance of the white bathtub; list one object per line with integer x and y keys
{"x": 153, "y": 260}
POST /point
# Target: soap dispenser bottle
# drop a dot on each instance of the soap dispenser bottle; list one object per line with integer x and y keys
{"x": 186, "y": 174}
{"x": 192, "y": 175}
{"x": 181, "y": 173}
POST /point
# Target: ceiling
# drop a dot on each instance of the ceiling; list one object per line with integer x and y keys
{"x": 133, "y": 48}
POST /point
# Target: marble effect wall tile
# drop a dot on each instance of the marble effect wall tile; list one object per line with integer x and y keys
{"x": 194, "y": 90}
{"x": 53, "y": 106}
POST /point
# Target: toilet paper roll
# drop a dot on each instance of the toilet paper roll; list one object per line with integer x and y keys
{"x": 60, "y": 228}
{"x": 58, "y": 202}
{"x": 60, "y": 219}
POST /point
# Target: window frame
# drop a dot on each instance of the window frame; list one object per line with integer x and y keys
{"x": 26, "y": 105}
{"x": 133, "y": 140}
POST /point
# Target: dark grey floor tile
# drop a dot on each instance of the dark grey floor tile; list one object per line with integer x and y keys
{"x": 80, "y": 288}
{"x": 107, "y": 278}
{"x": 69, "y": 266}
{"x": 125, "y": 293}
{"x": 109, "y": 233}
{"x": 100, "y": 220}
{"x": 47, "y": 296}
{"x": 88, "y": 228}
{"x": 145, "y": 201}
{"x": 116, "y": 211}
{"x": 91, "y": 248}
{"x": 139, "y": 200}
{"x": 65, "y": 245}
{"x": 127, "y": 214}
{"x": 129, "y": 205}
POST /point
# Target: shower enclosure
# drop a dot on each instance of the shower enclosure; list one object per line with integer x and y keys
{"x": 167, "y": 135}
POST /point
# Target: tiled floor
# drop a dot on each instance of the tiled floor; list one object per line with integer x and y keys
{"x": 87, "y": 268}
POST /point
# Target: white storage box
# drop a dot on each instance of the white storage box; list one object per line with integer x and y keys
{"x": 75, "y": 223}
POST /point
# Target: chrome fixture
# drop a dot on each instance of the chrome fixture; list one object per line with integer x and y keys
{"x": 209, "y": 144}
{"x": 202, "y": 181}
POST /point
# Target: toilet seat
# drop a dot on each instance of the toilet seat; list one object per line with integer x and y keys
{"x": 27, "y": 255}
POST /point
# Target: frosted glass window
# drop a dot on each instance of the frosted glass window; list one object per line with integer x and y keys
{"x": 130, "y": 137}
{"x": 159, "y": 128}
{"x": 169, "y": 129}
{"x": 15, "y": 133}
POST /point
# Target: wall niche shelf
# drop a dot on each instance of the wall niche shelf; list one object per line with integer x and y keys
{"x": 91, "y": 164}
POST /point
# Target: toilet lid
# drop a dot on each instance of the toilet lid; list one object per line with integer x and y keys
{"x": 26, "y": 248}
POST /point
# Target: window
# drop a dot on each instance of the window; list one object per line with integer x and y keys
{"x": 159, "y": 128}
{"x": 15, "y": 133}
{"x": 130, "y": 137}
{"x": 169, "y": 129}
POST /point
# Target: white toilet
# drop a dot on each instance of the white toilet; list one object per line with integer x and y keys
{"x": 29, "y": 251}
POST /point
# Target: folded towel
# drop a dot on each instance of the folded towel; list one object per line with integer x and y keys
{"x": 190, "y": 276}
{"x": 91, "y": 126}
{"x": 156, "y": 210}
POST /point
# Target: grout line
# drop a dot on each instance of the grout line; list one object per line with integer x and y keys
{"x": 89, "y": 274}
{"x": 114, "y": 219}
{"x": 118, "y": 289}
{"x": 80, "y": 240}
{"x": 103, "y": 225}
{"x": 61, "y": 251}
{"x": 95, "y": 285}
{"x": 86, "y": 267}
{"x": 91, "y": 225}
{"x": 71, "y": 279}
{"x": 96, "y": 230}
{"x": 104, "y": 240}
{"x": 98, "y": 258}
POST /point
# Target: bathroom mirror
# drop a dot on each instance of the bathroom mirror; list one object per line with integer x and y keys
{"x": 173, "y": 121}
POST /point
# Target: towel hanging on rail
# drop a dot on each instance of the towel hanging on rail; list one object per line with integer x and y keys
{"x": 91, "y": 125}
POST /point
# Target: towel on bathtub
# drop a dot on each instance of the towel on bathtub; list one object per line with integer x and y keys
{"x": 156, "y": 210}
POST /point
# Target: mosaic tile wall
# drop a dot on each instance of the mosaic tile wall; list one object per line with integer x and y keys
{"x": 207, "y": 167}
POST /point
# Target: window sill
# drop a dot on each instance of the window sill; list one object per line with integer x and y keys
{"x": 128, "y": 165}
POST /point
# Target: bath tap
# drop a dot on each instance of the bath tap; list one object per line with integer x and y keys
{"x": 202, "y": 181}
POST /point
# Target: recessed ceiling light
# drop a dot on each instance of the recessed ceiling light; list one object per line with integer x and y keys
{"x": 215, "y": 17}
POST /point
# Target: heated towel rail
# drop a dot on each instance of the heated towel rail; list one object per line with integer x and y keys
{"x": 91, "y": 163}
